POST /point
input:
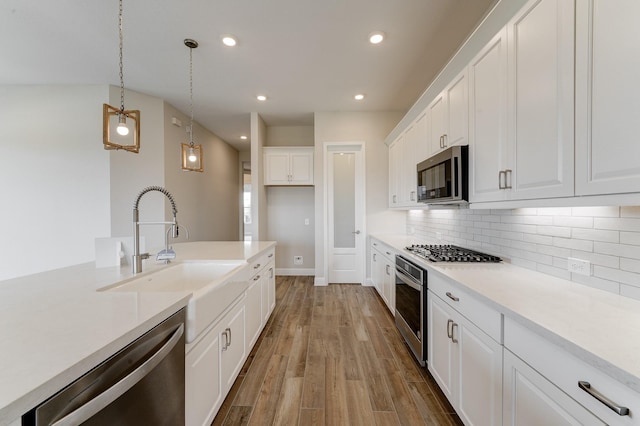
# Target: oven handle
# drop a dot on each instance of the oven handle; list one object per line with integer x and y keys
{"x": 407, "y": 279}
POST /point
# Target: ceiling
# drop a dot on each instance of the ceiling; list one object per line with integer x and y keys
{"x": 304, "y": 55}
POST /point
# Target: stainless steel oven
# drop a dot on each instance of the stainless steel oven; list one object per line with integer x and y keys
{"x": 411, "y": 306}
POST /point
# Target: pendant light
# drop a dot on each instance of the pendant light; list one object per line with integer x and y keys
{"x": 191, "y": 153}
{"x": 120, "y": 127}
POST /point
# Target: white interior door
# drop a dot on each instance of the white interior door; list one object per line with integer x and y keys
{"x": 345, "y": 204}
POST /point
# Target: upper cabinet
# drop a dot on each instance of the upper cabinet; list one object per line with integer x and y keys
{"x": 522, "y": 107}
{"x": 607, "y": 97}
{"x": 448, "y": 115}
{"x": 288, "y": 165}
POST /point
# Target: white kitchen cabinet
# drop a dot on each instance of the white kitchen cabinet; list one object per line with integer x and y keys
{"x": 607, "y": 97}
{"x": 253, "y": 304}
{"x": 466, "y": 363}
{"x": 565, "y": 373}
{"x": 260, "y": 295}
{"x": 522, "y": 104}
{"x": 395, "y": 169}
{"x": 540, "y": 39}
{"x": 268, "y": 293}
{"x": 448, "y": 115}
{"x": 288, "y": 165}
{"x": 488, "y": 120}
{"x": 211, "y": 366}
{"x": 383, "y": 273}
{"x": 531, "y": 400}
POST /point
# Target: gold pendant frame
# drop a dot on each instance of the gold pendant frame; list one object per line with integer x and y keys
{"x": 110, "y": 115}
{"x": 195, "y": 166}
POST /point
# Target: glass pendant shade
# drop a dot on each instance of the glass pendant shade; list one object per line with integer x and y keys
{"x": 120, "y": 129}
{"x": 192, "y": 158}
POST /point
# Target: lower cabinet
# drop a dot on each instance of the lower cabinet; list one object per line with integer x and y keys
{"x": 268, "y": 285}
{"x": 466, "y": 363}
{"x": 212, "y": 364}
{"x": 383, "y": 273}
{"x": 531, "y": 399}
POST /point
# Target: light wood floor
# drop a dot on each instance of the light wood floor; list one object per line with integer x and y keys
{"x": 332, "y": 356}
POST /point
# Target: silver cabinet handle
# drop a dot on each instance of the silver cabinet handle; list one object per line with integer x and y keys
{"x": 256, "y": 278}
{"x": 270, "y": 272}
{"x": 507, "y": 178}
{"x": 453, "y": 339}
{"x": 257, "y": 266}
{"x": 452, "y": 297}
{"x": 441, "y": 143}
{"x": 388, "y": 253}
{"x": 500, "y": 173}
{"x": 394, "y": 199}
{"x": 620, "y": 410}
{"x": 374, "y": 257}
{"x": 444, "y": 140}
{"x": 226, "y": 340}
{"x": 449, "y": 331}
{"x": 375, "y": 244}
{"x": 95, "y": 405}
{"x": 412, "y": 196}
{"x": 357, "y": 232}
{"x": 270, "y": 255}
{"x": 229, "y": 337}
{"x": 387, "y": 269}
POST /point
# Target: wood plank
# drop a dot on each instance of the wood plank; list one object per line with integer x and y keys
{"x": 360, "y": 412}
{"x": 289, "y": 402}
{"x": 311, "y": 417}
{"x": 313, "y": 395}
{"x": 348, "y": 353}
{"x": 336, "y": 410}
{"x": 377, "y": 338}
{"x": 238, "y": 416}
{"x": 298, "y": 352}
{"x": 405, "y": 406}
{"x": 253, "y": 380}
{"x": 386, "y": 418}
{"x": 266, "y": 403}
{"x": 403, "y": 356}
{"x": 374, "y": 378}
{"x": 430, "y": 409}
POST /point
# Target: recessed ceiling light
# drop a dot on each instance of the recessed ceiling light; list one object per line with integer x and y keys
{"x": 261, "y": 97}
{"x": 229, "y": 40}
{"x": 376, "y": 37}
{"x": 243, "y": 137}
{"x": 359, "y": 97}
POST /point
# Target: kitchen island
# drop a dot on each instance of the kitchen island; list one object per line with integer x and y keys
{"x": 56, "y": 325}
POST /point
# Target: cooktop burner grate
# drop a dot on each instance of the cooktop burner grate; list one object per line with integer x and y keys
{"x": 450, "y": 253}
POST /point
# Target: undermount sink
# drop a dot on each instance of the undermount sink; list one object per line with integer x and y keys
{"x": 214, "y": 286}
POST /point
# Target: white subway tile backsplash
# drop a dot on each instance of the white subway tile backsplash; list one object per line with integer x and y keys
{"x": 595, "y": 235}
{"x": 621, "y": 224}
{"x": 543, "y": 238}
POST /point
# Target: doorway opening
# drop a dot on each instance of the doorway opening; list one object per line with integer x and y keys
{"x": 246, "y": 200}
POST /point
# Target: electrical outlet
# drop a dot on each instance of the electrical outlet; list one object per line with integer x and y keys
{"x": 579, "y": 266}
{"x": 306, "y": 221}
{"x": 297, "y": 260}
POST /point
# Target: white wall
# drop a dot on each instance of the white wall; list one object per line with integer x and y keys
{"x": 371, "y": 128}
{"x": 543, "y": 238}
{"x": 289, "y": 136}
{"x": 131, "y": 173}
{"x": 55, "y": 177}
{"x": 207, "y": 201}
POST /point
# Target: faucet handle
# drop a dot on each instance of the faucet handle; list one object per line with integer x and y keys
{"x": 144, "y": 256}
{"x": 166, "y": 254}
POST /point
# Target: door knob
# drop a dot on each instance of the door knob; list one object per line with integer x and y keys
{"x": 356, "y": 232}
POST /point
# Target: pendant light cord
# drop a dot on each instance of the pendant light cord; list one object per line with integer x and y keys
{"x": 191, "y": 95}
{"x": 121, "y": 73}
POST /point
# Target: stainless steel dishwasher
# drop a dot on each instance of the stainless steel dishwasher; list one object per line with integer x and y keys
{"x": 143, "y": 384}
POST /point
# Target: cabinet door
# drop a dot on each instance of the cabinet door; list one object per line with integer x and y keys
{"x": 394, "y": 172}
{"x": 409, "y": 176}
{"x": 530, "y": 399}
{"x": 276, "y": 168}
{"x": 269, "y": 292}
{"x": 607, "y": 97}
{"x": 437, "y": 121}
{"x": 441, "y": 355}
{"x": 479, "y": 374}
{"x": 203, "y": 393}
{"x": 488, "y": 119}
{"x": 301, "y": 168}
{"x": 541, "y": 100}
{"x": 233, "y": 348}
{"x": 254, "y": 319}
{"x": 422, "y": 141}
{"x": 457, "y": 117}
{"x": 377, "y": 270}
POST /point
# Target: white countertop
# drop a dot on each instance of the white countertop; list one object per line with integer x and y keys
{"x": 55, "y": 326}
{"x": 601, "y": 328}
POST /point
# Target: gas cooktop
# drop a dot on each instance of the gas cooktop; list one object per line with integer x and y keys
{"x": 450, "y": 253}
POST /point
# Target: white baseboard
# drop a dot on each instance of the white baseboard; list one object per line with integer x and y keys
{"x": 368, "y": 283}
{"x": 292, "y": 271}
{"x": 320, "y": 281}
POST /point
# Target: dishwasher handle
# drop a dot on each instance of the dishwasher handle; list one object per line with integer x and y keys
{"x": 114, "y": 392}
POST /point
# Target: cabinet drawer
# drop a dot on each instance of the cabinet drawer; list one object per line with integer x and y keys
{"x": 566, "y": 371}
{"x": 260, "y": 262}
{"x": 384, "y": 249}
{"x": 487, "y": 319}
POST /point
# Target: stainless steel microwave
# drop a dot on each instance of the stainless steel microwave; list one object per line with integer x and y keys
{"x": 444, "y": 178}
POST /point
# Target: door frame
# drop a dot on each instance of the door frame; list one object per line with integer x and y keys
{"x": 327, "y": 148}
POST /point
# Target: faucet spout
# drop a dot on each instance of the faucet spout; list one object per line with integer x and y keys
{"x": 137, "y": 257}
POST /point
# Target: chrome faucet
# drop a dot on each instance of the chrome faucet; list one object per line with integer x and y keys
{"x": 137, "y": 257}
